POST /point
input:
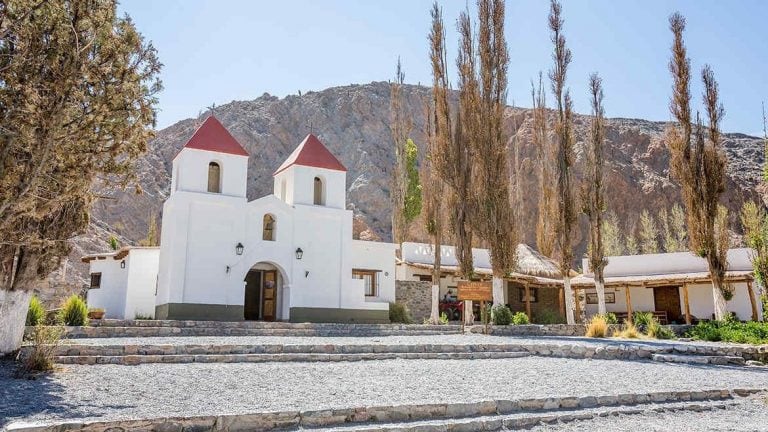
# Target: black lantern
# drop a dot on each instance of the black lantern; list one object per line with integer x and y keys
{"x": 299, "y": 253}
{"x": 122, "y": 264}
{"x": 239, "y": 249}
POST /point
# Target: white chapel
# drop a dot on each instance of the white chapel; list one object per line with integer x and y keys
{"x": 288, "y": 256}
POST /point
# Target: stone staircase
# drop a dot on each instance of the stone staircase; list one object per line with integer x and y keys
{"x": 160, "y": 328}
{"x": 700, "y": 359}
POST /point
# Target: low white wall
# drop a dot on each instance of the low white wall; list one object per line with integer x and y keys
{"x": 112, "y": 293}
{"x": 142, "y": 266}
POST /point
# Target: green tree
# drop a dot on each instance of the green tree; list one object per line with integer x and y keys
{"x": 649, "y": 243}
{"x": 698, "y": 164}
{"x": 673, "y": 229}
{"x": 631, "y": 243}
{"x": 612, "y": 241}
{"x": 412, "y": 205}
{"x": 77, "y": 106}
{"x": 152, "y": 238}
{"x": 755, "y": 223}
{"x": 400, "y": 128}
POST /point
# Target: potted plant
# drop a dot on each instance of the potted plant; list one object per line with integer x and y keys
{"x": 96, "y": 313}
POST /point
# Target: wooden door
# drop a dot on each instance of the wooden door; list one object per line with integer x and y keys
{"x": 269, "y": 302}
{"x": 667, "y": 299}
{"x": 252, "y": 295}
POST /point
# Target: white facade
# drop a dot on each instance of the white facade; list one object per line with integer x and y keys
{"x": 308, "y": 259}
{"x": 645, "y": 275}
{"x": 126, "y": 281}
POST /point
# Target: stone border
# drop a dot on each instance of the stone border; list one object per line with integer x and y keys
{"x": 380, "y": 414}
{"x": 559, "y": 329}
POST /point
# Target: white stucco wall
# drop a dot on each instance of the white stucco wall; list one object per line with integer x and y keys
{"x": 142, "y": 265}
{"x": 111, "y": 296}
{"x": 190, "y": 172}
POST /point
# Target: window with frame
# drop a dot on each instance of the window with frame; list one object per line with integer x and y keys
{"x": 534, "y": 294}
{"x": 95, "y": 280}
{"x": 268, "y": 232}
{"x": 370, "y": 279}
{"x": 425, "y": 278}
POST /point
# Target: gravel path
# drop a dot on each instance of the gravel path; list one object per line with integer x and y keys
{"x": 158, "y": 390}
{"x": 749, "y": 415}
{"x": 450, "y": 339}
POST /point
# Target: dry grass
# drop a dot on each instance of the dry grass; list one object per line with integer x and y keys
{"x": 629, "y": 331}
{"x": 597, "y": 328}
{"x": 39, "y": 356}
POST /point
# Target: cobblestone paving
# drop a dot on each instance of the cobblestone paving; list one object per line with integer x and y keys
{"x": 747, "y": 415}
{"x": 159, "y": 390}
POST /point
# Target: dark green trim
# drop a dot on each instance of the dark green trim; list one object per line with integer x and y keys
{"x": 332, "y": 315}
{"x": 199, "y": 312}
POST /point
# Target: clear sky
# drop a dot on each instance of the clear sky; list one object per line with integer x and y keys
{"x": 216, "y": 51}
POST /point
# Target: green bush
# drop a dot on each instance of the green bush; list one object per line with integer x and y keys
{"x": 398, "y": 313}
{"x": 520, "y": 318}
{"x": 141, "y": 316}
{"x": 655, "y": 330}
{"x": 548, "y": 316}
{"x": 502, "y": 315}
{"x": 36, "y": 312}
{"x": 443, "y": 318}
{"x": 610, "y": 318}
{"x": 737, "y": 332}
{"x": 642, "y": 319}
{"x": 74, "y": 312}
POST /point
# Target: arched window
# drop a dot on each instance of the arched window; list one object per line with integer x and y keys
{"x": 268, "y": 232}
{"x": 319, "y": 198}
{"x": 214, "y": 177}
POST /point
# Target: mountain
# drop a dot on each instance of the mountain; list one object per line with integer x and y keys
{"x": 353, "y": 122}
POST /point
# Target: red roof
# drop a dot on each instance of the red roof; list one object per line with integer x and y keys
{"x": 311, "y": 152}
{"x": 213, "y": 136}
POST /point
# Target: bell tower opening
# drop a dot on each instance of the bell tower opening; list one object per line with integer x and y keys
{"x": 319, "y": 192}
{"x": 214, "y": 177}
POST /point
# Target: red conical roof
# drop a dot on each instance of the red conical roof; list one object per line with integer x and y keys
{"x": 311, "y": 152}
{"x": 213, "y": 136}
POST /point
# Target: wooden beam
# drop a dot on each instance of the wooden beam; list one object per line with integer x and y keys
{"x": 629, "y": 303}
{"x": 687, "y": 304}
{"x": 752, "y": 300}
{"x": 527, "y": 300}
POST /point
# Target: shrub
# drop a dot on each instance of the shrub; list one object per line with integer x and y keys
{"x": 398, "y": 313}
{"x": 443, "y": 318}
{"x": 74, "y": 312}
{"x": 141, "y": 316}
{"x": 610, "y": 318}
{"x": 36, "y": 312}
{"x": 657, "y": 331}
{"x": 737, "y": 332}
{"x": 598, "y": 327}
{"x": 520, "y": 318}
{"x": 39, "y": 356}
{"x": 548, "y": 316}
{"x": 642, "y": 319}
{"x": 502, "y": 315}
{"x": 629, "y": 331}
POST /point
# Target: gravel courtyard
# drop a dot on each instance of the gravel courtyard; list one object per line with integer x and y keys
{"x": 156, "y": 390}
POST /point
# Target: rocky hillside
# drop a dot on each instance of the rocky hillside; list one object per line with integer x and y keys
{"x": 353, "y": 121}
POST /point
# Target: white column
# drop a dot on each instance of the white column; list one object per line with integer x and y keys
{"x": 434, "y": 315}
{"x": 498, "y": 291}
{"x": 286, "y": 313}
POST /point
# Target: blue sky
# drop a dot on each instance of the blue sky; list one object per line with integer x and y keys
{"x": 219, "y": 51}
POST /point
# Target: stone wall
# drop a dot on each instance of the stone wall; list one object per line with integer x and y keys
{"x": 416, "y": 296}
{"x": 558, "y": 329}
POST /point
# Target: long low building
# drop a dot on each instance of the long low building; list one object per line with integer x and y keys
{"x": 675, "y": 286}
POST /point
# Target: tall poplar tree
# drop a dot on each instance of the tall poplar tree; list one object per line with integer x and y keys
{"x": 400, "y": 127}
{"x": 698, "y": 164}
{"x": 76, "y": 106}
{"x": 593, "y": 191}
{"x": 564, "y": 140}
{"x": 545, "y": 155}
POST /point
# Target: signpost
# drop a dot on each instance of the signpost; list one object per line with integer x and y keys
{"x": 474, "y": 291}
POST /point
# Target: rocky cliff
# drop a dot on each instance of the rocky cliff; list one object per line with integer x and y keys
{"x": 353, "y": 122}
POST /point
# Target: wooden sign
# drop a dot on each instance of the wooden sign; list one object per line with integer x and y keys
{"x": 475, "y": 291}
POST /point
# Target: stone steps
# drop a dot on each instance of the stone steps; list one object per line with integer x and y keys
{"x": 131, "y": 360}
{"x": 479, "y": 415}
{"x": 699, "y": 359}
{"x": 116, "y": 332}
{"x": 265, "y": 325}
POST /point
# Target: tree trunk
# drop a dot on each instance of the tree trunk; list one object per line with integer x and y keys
{"x": 498, "y": 291}
{"x": 600, "y": 288}
{"x": 568, "y": 300}
{"x": 721, "y": 309}
{"x": 469, "y": 317}
{"x": 434, "y": 316}
{"x": 13, "y": 316}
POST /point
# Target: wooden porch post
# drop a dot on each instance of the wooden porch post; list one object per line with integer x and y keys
{"x": 629, "y": 303}
{"x": 687, "y": 305}
{"x": 561, "y": 301}
{"x": 752, "y": 301}
{"x": 527, "y": 300}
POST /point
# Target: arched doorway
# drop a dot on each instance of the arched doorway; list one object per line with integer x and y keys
{"x": 263, "y": 293}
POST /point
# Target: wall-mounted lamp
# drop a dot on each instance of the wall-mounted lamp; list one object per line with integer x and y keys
{"x": 122, "y": 264}
{"x": 239, "y": 249}
{"x": 228, "y": 269}
{"x": 299, "y": 253}
{"x": 306, "y": 273}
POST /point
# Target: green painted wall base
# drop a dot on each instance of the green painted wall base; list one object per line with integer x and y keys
{"x": 331, "y": 315}
{"x": 199, "y": 312}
